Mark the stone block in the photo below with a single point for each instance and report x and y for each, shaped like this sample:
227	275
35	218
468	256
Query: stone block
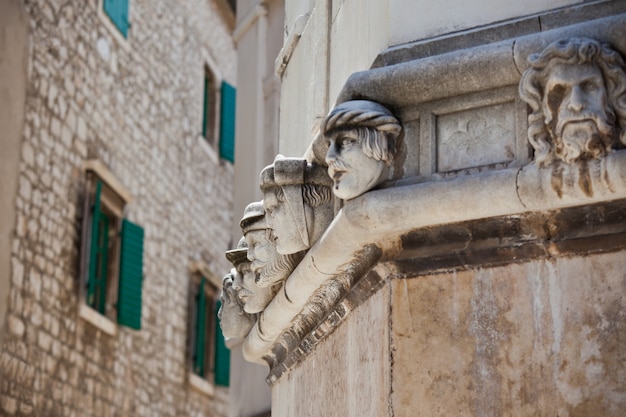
469	138
9	405
505	341
16	326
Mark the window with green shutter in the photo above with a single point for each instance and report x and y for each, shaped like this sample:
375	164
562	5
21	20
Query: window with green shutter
207	355
227	122
117	11
111	251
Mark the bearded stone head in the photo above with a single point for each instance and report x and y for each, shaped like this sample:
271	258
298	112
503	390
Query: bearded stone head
576	89
297	197
253	298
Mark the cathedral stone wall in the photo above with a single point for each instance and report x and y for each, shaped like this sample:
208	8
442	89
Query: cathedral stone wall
135	105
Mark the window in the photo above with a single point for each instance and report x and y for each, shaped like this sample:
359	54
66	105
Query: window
224	127
209	356
117	11
111	255
208	109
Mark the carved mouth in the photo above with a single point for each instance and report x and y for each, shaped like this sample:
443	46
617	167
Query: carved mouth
575	120
336	174
244	294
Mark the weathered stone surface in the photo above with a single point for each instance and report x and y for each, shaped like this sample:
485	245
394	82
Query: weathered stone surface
540	338
358	383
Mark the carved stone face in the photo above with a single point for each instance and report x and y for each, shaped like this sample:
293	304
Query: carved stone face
574	106
253	297
286	229
352	171
260	248
233	320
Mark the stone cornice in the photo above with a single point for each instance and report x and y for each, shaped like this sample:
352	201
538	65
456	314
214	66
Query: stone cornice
463	72
379	218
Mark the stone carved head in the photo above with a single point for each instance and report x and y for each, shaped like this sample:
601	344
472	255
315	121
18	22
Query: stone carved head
253	297
234	321
361	136
298	202
270	267
576	89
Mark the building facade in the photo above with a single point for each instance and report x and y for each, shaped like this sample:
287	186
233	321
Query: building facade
117	182
484	274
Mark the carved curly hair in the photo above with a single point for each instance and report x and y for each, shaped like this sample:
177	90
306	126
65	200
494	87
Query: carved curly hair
574	51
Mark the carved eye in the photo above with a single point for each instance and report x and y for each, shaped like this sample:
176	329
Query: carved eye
347	142
590	86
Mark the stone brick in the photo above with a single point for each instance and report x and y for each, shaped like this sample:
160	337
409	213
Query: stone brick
18	272
28	154
44	341
9	405
16	326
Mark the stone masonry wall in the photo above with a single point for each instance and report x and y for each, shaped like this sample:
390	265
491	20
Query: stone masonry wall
137	109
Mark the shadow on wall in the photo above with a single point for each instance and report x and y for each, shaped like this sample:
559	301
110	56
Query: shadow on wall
13	78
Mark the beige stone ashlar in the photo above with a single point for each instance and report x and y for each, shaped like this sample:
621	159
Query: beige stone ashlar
576	88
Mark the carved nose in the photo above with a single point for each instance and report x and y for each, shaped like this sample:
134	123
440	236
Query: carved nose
577	99
331	154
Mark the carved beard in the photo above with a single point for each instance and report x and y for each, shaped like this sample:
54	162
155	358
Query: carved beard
583	136
278	269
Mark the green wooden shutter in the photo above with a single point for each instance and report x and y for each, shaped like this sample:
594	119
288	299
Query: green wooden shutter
117	10
227	122
98	262
131	276
222	354
198	356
